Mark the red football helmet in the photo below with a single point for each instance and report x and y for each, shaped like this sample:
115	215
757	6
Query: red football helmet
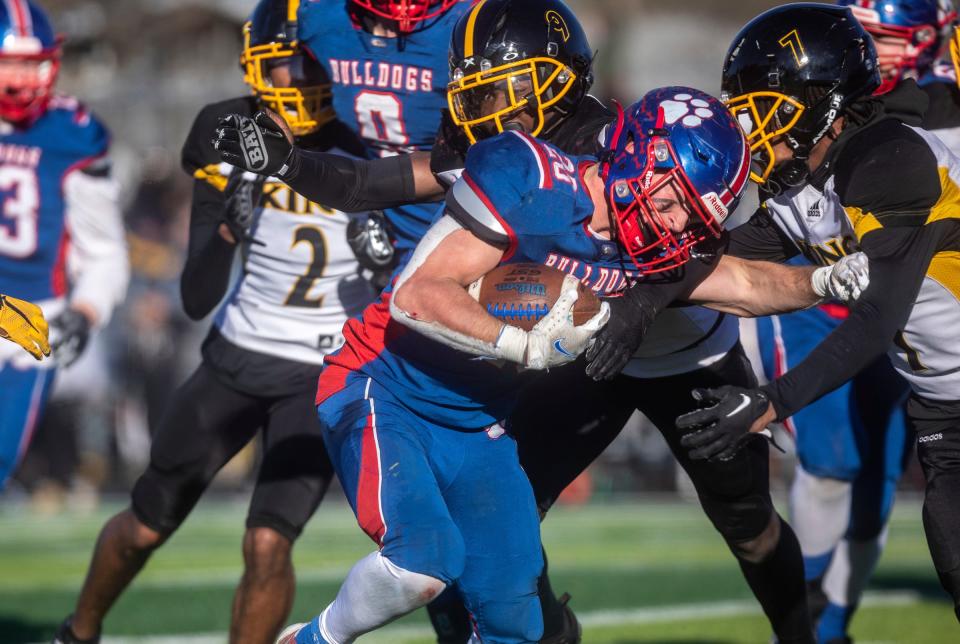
408	14
29	61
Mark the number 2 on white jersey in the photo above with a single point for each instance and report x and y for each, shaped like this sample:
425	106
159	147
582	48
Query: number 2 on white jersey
380	115
20	206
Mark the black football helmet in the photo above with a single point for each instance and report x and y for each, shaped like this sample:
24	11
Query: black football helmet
789	74
508	56
269	42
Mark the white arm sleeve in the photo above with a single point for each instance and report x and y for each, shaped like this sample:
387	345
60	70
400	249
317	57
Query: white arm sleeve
508	350
97	261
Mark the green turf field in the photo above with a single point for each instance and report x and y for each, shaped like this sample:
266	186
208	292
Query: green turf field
638	572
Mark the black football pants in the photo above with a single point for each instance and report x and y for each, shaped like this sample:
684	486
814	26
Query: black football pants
206	423
937	427
565	420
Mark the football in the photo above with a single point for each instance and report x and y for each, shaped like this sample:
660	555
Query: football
522	294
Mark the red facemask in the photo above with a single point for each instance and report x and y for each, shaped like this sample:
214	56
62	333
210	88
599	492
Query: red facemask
408	14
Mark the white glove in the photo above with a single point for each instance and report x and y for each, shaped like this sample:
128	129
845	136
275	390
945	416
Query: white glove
554	340
845	281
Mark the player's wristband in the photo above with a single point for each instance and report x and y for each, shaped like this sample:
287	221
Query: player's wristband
511	344
820	281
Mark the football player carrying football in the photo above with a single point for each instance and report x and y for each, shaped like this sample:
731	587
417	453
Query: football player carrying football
263	354
853	444
61	231
695	345
800	79
412	407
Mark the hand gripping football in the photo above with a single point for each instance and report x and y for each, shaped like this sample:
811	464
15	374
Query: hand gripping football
522	294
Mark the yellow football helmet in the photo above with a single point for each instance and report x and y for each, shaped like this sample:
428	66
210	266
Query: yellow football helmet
282	75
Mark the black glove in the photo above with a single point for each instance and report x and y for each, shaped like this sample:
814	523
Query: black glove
723	427
70	332
630	316
257	144
372	244
243	195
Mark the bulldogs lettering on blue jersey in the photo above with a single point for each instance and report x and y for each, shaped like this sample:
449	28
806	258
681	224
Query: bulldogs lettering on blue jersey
389	91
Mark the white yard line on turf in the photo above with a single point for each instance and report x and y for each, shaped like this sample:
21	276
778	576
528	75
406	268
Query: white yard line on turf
600	618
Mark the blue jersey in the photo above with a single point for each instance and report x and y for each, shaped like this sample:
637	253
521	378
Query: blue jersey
520	194
389	91
34	228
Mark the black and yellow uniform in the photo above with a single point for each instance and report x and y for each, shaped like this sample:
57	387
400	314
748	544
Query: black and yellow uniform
264	352
896	190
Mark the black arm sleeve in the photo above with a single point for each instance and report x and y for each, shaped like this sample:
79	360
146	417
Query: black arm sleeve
206	273
899	259
352	185
888	181
761	238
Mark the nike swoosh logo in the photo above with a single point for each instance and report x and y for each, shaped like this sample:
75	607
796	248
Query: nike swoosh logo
743	405
558	345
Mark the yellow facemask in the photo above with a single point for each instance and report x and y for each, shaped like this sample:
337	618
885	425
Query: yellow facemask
492	96
757	112
305	109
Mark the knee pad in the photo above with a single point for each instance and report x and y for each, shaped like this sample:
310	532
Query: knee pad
163	501
739	519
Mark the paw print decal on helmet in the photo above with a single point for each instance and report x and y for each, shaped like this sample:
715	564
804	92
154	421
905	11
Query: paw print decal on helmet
690	111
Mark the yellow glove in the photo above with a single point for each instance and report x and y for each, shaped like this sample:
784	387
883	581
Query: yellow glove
23	323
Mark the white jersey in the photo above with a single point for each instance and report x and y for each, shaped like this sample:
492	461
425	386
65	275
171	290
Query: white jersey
299	281
926	352
682	340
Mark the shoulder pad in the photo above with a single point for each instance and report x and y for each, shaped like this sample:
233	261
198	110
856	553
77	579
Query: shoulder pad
510	162
88	136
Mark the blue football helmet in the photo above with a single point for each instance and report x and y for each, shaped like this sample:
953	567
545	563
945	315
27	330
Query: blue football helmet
923	26
675	138
29	61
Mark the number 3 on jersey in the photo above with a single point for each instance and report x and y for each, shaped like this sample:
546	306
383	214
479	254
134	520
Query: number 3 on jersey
20	202
380	115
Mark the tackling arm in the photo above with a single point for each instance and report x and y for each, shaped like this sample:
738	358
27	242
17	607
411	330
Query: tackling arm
753	288
354	185
261	144
902	257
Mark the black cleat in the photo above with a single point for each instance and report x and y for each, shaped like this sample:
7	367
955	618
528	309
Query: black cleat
64	634
571	632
